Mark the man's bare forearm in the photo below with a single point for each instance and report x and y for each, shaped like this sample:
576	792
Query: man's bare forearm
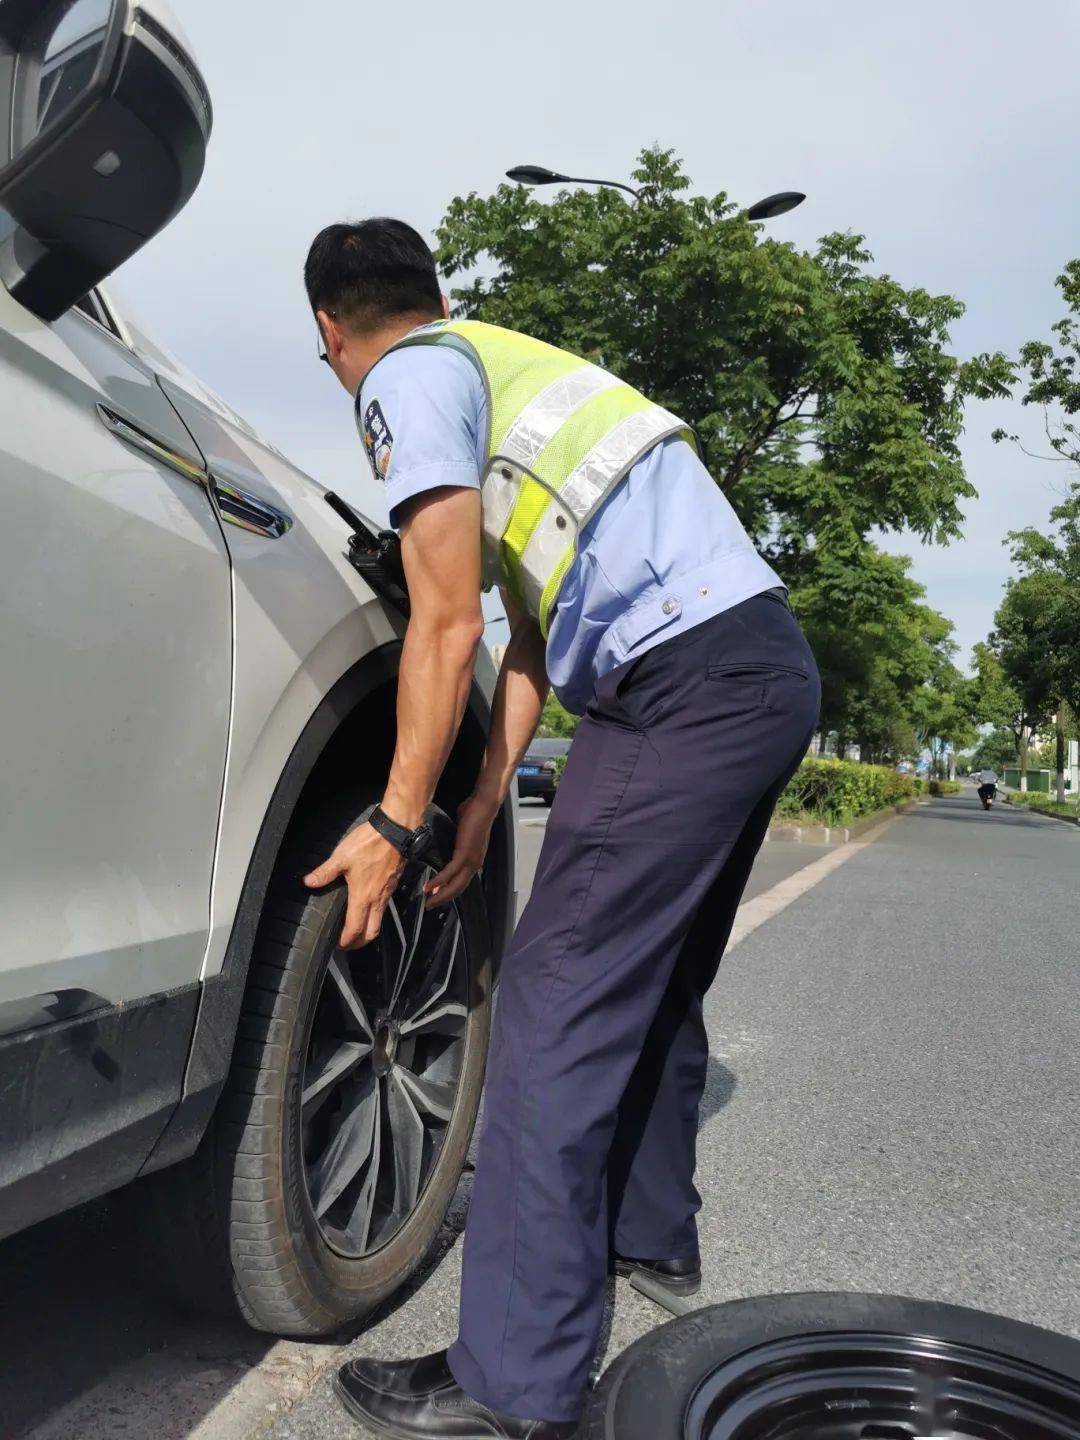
433	689
440	551
519	700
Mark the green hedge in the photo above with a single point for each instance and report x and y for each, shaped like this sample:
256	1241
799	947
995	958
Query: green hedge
944	787
832	791
1036	800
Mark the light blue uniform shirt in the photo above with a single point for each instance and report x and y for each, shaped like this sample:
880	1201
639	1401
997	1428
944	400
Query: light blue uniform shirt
663	553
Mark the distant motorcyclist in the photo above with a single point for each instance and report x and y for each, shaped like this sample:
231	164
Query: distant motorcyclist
987	782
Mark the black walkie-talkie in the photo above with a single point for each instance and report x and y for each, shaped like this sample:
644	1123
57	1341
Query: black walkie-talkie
377	557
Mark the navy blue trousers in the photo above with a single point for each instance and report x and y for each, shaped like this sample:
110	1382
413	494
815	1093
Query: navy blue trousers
599	1051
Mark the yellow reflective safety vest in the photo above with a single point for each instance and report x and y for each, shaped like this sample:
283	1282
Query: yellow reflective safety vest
562	434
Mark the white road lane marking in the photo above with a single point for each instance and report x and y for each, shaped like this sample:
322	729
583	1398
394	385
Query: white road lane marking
754	913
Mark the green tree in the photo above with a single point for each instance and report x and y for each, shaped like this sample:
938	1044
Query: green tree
876	643
825	398
993	700
1051	370
1042	609
1050	566
555	722
1050	755
1007	698
994	751
942	716
1021	644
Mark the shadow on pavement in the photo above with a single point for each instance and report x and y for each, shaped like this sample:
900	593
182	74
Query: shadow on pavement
77	1308
720	1085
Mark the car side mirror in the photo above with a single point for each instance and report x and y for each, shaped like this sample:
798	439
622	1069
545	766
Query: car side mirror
104	124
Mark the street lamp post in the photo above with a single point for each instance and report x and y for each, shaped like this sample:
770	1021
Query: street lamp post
767	209
537	175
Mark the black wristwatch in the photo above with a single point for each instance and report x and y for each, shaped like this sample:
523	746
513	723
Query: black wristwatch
410	844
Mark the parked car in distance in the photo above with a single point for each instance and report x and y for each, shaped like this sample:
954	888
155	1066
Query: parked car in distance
199	702
538	774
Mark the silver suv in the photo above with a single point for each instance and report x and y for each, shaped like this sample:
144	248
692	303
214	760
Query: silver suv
198	700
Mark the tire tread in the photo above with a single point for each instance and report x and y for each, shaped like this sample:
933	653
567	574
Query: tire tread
238	1248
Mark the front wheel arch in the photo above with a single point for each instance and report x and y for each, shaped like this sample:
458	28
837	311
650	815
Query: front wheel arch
325	742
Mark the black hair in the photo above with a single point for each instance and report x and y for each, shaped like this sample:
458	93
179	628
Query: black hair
370	272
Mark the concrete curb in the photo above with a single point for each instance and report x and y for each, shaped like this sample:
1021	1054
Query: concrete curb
837	834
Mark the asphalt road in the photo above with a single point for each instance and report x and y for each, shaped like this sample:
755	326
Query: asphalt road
775	862
893	1104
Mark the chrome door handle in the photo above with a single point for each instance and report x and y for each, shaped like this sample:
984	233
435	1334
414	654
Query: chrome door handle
157	449
249	512
233	505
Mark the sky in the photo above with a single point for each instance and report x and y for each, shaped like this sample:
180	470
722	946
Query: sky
944	132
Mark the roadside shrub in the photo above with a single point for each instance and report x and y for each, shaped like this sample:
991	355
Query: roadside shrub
560	766
1035	800
832	791
944	787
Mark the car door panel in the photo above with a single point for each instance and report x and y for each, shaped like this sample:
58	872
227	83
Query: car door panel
116	661
303	617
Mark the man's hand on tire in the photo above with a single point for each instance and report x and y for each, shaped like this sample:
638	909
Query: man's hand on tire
371	868
475	819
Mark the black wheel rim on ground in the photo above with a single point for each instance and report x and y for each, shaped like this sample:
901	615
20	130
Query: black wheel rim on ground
382	1070
842	1366
875	1387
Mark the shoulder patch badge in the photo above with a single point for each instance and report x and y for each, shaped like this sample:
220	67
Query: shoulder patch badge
378	441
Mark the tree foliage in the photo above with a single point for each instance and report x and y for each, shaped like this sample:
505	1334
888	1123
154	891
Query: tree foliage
1038	624
877	644
993	699
824	397
995	750
555	722
1008	690
942	716
1046	757
826	400
1051	369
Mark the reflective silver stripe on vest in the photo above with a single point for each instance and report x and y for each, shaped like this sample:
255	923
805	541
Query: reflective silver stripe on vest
587	486
500	488
533	430
545	414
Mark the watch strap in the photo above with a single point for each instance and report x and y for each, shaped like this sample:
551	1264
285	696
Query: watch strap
408	843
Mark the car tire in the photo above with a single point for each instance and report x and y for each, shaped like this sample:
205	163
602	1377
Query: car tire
694	1377
246	1208
548	800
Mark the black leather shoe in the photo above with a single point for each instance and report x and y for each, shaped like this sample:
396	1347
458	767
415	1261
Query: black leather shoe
421	1400
681	1277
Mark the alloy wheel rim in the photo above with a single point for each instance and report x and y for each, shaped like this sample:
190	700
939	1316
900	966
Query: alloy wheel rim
385	1056
881	1387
